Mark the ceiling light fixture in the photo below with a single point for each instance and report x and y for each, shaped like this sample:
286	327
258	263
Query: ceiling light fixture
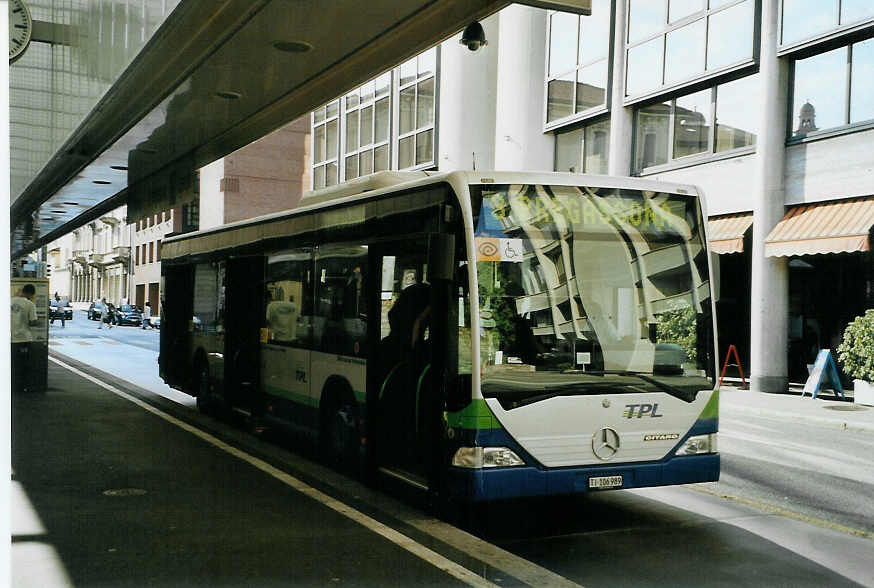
292	46
100	182
118	167
228	95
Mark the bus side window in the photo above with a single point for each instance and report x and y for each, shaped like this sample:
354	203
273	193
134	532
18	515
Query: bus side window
341	308
288	298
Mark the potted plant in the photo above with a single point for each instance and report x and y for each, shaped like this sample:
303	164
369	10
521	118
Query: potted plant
856	353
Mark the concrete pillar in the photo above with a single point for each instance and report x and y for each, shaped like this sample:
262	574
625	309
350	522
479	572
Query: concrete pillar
770	275
520	143
621	127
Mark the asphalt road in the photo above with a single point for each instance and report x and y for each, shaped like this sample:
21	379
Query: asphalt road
818	472
81	327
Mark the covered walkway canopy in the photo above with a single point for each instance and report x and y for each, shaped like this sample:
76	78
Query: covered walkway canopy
94	124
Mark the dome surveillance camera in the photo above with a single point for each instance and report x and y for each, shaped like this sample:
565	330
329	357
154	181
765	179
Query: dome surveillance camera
474	36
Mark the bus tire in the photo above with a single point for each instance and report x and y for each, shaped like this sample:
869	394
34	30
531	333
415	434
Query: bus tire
339	434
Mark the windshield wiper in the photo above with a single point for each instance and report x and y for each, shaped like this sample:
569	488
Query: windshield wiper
686	394
510	401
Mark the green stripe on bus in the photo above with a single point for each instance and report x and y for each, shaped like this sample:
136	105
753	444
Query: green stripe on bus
475	415
711	411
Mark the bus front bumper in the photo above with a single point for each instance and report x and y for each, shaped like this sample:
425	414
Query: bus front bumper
485	484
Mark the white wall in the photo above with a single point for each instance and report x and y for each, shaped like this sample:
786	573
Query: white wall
727	184
520	142
212	201
466	124
839	167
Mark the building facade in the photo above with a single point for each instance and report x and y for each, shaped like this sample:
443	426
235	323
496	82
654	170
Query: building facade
92	262
765	104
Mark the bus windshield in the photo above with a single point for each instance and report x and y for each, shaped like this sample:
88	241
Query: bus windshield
590	291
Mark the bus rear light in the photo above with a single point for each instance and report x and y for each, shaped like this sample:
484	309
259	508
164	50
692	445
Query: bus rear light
485	457
698	444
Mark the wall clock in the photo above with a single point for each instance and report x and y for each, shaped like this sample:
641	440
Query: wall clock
20	28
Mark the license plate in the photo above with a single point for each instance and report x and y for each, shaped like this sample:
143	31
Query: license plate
602	482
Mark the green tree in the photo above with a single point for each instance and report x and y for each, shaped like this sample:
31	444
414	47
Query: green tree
678	325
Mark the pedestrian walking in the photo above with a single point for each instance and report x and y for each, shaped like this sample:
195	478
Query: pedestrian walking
147	316
110	314
60	311
104	310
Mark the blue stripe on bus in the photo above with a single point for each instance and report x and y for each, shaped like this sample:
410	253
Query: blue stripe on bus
536	480
503	483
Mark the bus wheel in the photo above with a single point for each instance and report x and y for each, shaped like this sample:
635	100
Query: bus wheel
340	436
203	392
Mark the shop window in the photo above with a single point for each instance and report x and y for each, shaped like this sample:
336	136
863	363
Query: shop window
833	89
670	131
674	43
579	47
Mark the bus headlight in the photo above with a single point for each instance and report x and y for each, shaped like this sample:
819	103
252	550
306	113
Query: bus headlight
698	444
485	457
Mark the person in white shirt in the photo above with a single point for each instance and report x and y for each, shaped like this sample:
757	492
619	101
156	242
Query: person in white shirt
23	315
147	315
23	318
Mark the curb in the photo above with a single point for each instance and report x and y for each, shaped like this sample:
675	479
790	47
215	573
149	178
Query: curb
829	422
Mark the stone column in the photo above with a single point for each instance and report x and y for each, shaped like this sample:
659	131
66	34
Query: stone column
769	312
621	128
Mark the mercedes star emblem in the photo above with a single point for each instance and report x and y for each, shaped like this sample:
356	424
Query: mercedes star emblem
605	443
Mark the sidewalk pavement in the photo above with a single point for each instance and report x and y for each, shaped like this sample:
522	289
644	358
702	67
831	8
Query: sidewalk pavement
793	407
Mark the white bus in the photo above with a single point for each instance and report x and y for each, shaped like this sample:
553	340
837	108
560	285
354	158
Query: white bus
481	335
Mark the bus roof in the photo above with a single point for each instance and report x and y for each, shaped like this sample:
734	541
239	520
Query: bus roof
374	185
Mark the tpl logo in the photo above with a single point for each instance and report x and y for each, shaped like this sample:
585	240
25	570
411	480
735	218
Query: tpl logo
642	410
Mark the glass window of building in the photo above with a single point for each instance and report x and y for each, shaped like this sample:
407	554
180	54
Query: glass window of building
416	104
735	127
326	142
804	20
692	123
367	124
579	47
817	99
833	89
583	150
667	132
672	42
862	82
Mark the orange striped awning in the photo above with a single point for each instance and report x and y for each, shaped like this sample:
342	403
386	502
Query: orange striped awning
823	227
727	232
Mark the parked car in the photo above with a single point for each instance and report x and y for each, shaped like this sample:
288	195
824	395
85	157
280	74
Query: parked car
127	314
94	313
59	309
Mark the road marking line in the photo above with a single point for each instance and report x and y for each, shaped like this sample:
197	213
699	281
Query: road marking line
399	539
784	512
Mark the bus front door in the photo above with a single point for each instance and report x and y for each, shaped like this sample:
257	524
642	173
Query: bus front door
243	306
401	387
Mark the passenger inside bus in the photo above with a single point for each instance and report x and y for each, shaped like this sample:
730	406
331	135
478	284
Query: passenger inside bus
402	358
